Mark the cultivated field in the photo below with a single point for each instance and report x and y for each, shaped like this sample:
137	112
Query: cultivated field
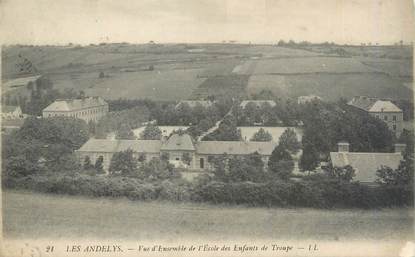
309	65
30	215
275	83
200	70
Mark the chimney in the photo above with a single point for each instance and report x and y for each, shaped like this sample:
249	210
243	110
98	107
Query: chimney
343	146
400	148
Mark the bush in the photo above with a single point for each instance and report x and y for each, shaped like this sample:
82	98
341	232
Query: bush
316	191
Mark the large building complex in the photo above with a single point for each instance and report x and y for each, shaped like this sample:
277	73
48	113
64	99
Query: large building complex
179	148
381	109
87	109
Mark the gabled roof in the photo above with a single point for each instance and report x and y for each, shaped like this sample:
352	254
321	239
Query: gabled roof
257	103
235	147
194	103
75	104
372	104
112	146
179	143
8	108
362	102
384	106
365	164
20	81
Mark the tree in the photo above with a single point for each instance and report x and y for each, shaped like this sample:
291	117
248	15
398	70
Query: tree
245	168
289	140
151	132
125	132
281	43
220	166
227	131
240	170
165	156
87	163
157	169
142	157
403	175
262	136
309	160
99	167
344	174
186	158
281	162
92	127
123	163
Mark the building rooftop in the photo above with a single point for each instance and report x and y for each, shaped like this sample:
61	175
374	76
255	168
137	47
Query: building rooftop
178	142
75	104
257	102
384	106
372	104
18	82
365	164
235	147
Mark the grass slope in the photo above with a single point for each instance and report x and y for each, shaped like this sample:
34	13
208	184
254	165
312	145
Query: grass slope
33	215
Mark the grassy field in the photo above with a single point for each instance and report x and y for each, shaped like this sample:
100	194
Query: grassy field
334	86
216	69
231	85
33	215
274	83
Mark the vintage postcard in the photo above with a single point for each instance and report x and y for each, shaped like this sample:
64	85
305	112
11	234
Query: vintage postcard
207	128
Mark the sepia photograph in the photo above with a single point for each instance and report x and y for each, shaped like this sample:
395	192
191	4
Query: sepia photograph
207	128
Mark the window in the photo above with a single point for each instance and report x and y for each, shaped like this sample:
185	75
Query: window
377	116
177	159
202	163
385	117
394	127
394	117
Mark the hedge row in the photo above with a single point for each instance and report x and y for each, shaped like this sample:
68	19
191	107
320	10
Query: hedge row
102	186
307	193
327	194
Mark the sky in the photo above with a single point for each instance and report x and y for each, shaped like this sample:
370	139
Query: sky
194	21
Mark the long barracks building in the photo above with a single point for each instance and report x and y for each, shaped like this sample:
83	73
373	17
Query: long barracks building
176	147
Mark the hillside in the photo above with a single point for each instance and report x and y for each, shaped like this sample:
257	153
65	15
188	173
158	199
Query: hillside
177	71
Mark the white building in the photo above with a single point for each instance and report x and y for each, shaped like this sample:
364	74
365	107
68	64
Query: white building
87	109
384	110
